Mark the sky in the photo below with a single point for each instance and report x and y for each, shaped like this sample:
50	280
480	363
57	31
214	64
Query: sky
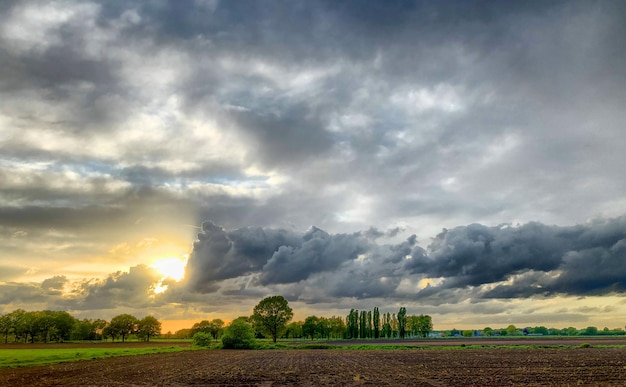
463	159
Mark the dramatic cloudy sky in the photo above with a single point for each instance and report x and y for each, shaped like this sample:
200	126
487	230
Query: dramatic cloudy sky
463	159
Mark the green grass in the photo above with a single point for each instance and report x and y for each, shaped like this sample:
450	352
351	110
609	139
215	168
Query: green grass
10	358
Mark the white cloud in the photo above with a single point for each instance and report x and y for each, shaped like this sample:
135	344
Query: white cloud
36	27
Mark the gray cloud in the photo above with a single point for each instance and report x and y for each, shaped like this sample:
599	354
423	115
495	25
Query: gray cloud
26	294
318	252
129	289
54	285
491	262
537	259
220	255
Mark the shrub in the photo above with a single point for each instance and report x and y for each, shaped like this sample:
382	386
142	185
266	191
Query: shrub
238	335
585	345
202	339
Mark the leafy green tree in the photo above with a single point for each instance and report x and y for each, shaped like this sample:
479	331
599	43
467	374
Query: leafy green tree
238	335
6	326
123	325
202	326
271	316
213	327
323	327
83	330
511	330
294	330
590	331
402	322
63	324
411	325
571	331
353	324
148	327
185	333
202	339
394	325
370	328
363	324
107	332
336	327
310	328
487	331
216	328
387	325
376	323
424	325
43	324
27	325
468	333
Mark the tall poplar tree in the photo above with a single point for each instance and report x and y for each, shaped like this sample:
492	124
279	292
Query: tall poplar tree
402	322
376	323
387	325
363	324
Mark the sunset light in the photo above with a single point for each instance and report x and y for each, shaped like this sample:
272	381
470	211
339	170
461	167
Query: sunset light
171	267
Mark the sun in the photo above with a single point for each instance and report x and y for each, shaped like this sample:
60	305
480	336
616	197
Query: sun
171	267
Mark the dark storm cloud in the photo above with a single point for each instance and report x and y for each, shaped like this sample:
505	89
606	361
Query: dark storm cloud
318	251
218	254
516	261
281	256
476	254
537	259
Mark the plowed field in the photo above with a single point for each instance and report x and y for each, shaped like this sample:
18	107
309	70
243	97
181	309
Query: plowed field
414	367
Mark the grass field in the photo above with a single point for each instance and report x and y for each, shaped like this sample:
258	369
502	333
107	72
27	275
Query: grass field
33	357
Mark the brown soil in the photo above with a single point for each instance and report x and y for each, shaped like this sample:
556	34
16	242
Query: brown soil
415	367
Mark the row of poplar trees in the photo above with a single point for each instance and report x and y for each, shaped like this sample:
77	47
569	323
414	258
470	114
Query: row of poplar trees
367	324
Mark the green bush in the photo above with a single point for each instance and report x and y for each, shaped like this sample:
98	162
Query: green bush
202	339
238	335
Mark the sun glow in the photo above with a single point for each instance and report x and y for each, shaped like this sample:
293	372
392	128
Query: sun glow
171	267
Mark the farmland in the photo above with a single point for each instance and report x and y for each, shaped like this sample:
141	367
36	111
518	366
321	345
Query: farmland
506	363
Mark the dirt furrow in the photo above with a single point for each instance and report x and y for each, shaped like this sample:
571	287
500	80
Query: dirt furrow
481	367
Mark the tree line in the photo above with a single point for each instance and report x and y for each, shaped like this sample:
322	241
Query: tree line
512	330
373	325
58	326
271	318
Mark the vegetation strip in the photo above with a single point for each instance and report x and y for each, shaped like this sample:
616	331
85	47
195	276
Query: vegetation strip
10	358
